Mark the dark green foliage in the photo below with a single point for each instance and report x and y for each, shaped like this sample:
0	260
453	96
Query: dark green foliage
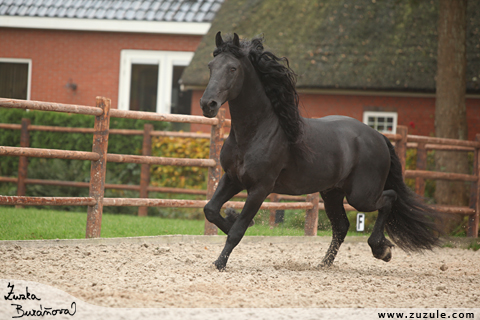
70	170
411	164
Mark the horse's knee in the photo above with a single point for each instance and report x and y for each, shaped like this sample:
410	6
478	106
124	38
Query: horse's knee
211	214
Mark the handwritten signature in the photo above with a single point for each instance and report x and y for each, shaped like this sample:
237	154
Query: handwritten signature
41	311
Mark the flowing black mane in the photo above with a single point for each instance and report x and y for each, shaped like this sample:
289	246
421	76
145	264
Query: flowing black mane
277	79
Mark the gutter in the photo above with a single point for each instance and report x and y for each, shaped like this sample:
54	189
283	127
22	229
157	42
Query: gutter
131	26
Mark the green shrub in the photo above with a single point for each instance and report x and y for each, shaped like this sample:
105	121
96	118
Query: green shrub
411	164
175	176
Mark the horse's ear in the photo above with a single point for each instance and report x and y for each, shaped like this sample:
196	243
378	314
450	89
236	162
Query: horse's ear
218	39
236	40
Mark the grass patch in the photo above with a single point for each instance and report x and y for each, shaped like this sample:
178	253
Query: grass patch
474	245
33	224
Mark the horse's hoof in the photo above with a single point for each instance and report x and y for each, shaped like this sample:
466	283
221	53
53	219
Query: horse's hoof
325	264
382	249
386	255
220	266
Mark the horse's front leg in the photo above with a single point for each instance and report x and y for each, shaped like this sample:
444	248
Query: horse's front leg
226	189
237	231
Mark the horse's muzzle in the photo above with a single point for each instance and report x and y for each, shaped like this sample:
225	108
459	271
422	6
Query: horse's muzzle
209	107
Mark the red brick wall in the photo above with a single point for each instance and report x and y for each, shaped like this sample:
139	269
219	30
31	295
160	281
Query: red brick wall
90	59
415	112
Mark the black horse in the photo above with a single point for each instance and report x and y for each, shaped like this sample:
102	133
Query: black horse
271	148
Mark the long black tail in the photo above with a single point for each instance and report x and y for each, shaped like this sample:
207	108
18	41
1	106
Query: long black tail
411	222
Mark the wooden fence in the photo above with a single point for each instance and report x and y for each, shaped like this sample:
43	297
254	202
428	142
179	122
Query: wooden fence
100	157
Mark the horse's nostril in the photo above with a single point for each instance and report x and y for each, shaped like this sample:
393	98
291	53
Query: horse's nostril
212	104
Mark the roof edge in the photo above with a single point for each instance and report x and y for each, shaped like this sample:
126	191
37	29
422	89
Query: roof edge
75	24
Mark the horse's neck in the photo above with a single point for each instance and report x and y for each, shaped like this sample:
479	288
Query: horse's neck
251	110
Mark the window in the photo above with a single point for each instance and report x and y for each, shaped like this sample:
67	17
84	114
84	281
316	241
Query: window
385	122
15	75
149	81
181	100
144	87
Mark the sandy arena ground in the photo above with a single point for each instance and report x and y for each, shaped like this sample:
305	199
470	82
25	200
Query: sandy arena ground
262	272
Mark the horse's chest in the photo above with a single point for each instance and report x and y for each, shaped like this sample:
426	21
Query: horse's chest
235	167
238	166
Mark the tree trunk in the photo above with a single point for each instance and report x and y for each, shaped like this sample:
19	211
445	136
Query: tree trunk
450	110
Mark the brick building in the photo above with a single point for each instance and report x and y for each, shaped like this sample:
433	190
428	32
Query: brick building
130	51
371	60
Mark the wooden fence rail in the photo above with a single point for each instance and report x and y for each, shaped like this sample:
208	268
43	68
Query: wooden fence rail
99	158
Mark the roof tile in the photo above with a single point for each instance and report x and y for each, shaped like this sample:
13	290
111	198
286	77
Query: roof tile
61	12
90	13
51	11
3	9
23	9
159	15
145	5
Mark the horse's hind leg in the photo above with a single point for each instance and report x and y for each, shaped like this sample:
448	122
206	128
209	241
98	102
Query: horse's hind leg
333	200
381	247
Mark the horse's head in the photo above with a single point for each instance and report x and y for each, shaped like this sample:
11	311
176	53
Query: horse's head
226	77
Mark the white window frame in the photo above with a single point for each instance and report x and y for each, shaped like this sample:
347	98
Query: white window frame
165	60
377	114
24	61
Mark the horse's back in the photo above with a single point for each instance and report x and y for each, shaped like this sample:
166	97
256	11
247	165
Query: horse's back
346	133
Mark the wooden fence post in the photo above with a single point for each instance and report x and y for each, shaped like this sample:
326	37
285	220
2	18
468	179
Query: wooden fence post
22	160
98	169
421	165
401	146
215	173
271	220
145	171
311	217
473	220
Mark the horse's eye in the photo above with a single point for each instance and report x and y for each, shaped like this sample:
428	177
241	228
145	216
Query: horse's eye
233	69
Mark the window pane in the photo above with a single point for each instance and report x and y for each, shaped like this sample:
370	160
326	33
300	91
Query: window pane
143	87
381	121
181	100
13	80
